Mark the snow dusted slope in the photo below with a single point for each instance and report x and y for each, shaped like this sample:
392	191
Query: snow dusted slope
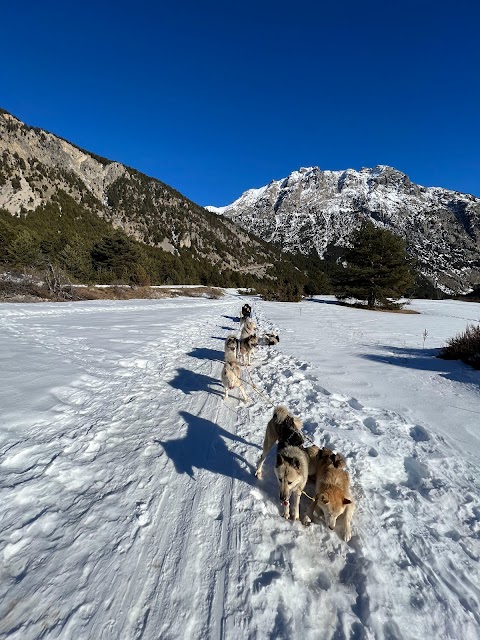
130	509
311	209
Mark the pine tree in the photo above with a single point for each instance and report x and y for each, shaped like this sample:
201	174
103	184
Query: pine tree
377	267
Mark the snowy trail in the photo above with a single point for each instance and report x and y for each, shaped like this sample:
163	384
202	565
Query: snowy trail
130	508
97	483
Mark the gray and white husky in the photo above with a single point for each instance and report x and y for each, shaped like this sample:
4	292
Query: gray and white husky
231	346
294	464
246	347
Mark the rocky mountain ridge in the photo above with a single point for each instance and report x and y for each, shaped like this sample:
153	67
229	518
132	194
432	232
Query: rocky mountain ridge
313	209
36	165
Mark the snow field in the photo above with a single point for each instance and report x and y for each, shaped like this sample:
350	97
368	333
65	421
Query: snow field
131	510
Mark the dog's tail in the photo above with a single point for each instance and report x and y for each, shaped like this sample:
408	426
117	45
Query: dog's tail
281	413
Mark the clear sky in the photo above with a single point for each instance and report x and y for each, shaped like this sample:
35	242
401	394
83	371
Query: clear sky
217	97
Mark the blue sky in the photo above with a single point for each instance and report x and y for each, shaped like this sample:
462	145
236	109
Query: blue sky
214	98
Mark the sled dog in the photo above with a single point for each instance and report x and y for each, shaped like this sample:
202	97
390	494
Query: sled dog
232	378
246	347
245	313
248	328
291	469
271	339
231	349
294	464
332	492
282	428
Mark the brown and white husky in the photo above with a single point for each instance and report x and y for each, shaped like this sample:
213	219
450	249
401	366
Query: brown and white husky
332	492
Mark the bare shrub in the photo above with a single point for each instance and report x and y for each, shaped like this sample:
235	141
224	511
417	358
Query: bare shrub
464	346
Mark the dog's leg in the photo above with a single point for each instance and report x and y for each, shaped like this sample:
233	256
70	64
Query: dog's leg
268	442
245	398
296	504
307	519
347	527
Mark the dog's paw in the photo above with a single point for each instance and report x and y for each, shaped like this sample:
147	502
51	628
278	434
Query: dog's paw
286	515
258	474
347	534
306	521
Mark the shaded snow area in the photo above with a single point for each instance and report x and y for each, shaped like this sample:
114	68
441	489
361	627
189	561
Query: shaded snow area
129	506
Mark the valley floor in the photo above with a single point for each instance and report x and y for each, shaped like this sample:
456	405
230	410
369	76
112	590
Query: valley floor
129	505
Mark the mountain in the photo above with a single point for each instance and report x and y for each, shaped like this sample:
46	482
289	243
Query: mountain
313	209
44	179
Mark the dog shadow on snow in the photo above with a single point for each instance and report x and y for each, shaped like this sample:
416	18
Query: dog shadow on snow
204	447
206	354
191	382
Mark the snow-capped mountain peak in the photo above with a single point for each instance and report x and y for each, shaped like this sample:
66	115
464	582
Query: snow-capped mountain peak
313	209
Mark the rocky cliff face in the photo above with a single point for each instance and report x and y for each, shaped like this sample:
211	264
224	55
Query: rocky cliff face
313	209
35	165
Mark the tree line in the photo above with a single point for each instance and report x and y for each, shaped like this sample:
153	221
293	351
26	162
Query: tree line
375	268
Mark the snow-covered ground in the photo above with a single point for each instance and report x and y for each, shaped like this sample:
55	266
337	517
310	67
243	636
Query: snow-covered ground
129	508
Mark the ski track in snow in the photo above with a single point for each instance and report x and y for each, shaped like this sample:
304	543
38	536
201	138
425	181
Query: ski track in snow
130	508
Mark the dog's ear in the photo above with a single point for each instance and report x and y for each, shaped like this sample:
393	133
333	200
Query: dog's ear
296	463
324	498
347	501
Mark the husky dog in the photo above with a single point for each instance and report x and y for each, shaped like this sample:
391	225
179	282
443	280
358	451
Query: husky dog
246	347
291	470
282	428
271	339
248	328
332	492
245	313
231	349
294	463
231	378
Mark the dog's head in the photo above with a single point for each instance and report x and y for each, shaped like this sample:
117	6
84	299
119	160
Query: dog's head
231	343
333	503
288	432
288	472
329	458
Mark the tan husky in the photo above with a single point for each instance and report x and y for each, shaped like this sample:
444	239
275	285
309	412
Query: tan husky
248	329
232	378
332	492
